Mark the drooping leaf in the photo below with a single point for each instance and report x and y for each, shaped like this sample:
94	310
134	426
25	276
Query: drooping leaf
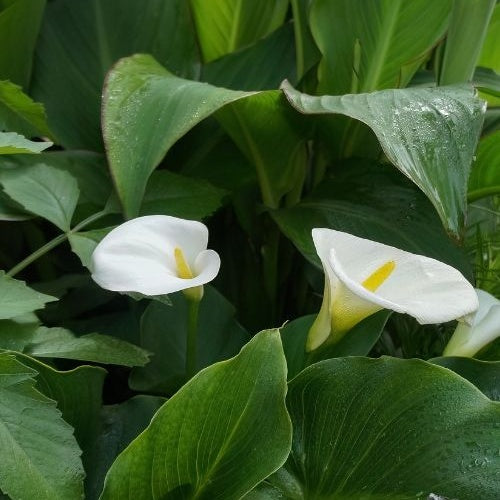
44	191
389	428
61	343
19	25
19	113
217	439
485	175
225	26
467	30
374	203
374	45
16	298
12	143
430	134
43	458
164	331
120	425
101	33
145	110
173	194
485	375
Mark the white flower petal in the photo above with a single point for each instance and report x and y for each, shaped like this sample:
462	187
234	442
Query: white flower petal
139	256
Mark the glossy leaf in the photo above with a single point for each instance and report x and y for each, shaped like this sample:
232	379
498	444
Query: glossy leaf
16	298
224	26
374	203
164	331
19	113
420	130
101	32
485	375
232	435
44	191
173	194
389	428
485	176
12	143
142	96
19	25
374	45
37	438
61	343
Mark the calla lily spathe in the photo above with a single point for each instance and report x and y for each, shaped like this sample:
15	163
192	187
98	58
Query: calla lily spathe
468	340
363	277
155	255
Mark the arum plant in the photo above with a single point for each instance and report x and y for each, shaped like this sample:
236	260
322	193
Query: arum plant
158	255
363	277
467	340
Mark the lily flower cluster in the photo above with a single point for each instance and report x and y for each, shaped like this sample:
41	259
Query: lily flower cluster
156	255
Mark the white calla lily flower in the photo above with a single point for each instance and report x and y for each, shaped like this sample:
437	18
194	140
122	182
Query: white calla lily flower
155	255
468	340
363	277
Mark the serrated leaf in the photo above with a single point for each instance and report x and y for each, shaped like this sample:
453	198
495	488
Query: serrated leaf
43	190
43	460
430	134
16	298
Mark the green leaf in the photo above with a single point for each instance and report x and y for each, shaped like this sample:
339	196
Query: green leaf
359	341
225	26
389	428
261	66
12	143
173	194
374	45
216	438
101	33
84	243
468	27
15	335
19	26
430	134
43	458
372	202
44	191
164	331
120	425
485	375
490	52
16	298
61	343
146	110
10	211
485	176
19	113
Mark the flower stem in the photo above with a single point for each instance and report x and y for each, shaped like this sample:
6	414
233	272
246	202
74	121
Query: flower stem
191	340
53	243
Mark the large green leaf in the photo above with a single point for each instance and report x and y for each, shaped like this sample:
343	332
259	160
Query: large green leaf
374	45
485	176
145	110
19	113
164	331
430	134
467	30
490	52
389	428
373	203
41	458
221	434
101	32
12	143
16	298
485	375
224	26
61	343
19	26
84	243
44	191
